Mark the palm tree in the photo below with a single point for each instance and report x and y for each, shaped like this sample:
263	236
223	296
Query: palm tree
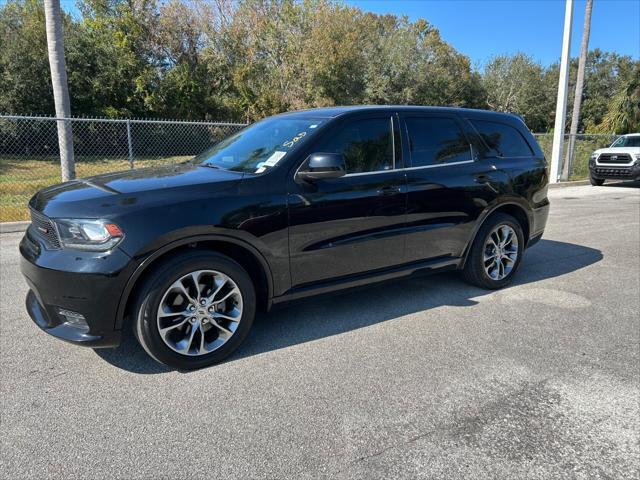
58	68
623	114
577	100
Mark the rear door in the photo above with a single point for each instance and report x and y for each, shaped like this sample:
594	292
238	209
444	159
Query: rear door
353	224
448	184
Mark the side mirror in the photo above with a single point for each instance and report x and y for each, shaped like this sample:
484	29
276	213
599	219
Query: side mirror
320	166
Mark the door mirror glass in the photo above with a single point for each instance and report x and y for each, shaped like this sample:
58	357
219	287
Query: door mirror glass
322	166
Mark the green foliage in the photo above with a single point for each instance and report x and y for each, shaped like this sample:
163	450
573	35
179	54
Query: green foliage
25	84
518	84
245	59
623	114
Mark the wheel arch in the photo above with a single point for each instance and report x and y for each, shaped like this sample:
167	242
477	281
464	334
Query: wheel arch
243	253
516	210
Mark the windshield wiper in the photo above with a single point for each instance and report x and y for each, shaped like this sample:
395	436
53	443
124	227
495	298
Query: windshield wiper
209	165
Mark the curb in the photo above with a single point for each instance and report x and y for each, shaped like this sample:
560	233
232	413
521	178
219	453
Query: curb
12	227
575	183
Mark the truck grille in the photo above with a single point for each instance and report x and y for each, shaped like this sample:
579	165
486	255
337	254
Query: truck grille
614	158
45	229
618	172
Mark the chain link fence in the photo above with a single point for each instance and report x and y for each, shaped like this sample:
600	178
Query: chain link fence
29	155
577	167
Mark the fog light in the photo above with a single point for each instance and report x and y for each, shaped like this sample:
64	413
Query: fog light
73	319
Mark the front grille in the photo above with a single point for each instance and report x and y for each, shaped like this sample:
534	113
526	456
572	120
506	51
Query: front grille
619	172
45	229
614	158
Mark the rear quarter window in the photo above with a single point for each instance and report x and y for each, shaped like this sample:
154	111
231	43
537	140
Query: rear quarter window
502	138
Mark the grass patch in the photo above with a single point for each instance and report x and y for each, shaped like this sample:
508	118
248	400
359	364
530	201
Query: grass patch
584	147
21	178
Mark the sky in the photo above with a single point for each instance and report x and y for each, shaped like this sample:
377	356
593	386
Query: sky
483	28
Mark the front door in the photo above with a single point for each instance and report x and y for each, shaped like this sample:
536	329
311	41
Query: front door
352	224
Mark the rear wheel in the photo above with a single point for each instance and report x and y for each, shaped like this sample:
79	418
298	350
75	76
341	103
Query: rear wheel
596	181
496	252
195	310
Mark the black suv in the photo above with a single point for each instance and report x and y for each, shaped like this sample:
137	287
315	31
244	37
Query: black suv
294	205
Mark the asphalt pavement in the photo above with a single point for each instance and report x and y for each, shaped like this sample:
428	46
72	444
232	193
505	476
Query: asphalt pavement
421	378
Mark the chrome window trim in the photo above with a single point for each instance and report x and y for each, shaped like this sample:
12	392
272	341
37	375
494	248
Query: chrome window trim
462	162
376	172
410	168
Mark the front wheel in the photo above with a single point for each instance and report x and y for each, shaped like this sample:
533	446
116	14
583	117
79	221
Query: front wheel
195	310
596	181
496	252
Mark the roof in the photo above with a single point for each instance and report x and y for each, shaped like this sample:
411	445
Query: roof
332	112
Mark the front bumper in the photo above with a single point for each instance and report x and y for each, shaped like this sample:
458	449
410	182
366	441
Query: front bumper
87	283
602	172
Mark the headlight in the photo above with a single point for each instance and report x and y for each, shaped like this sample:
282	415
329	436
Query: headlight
94	235
638	158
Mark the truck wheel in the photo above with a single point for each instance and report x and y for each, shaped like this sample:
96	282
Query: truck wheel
596	182
496	252
195	310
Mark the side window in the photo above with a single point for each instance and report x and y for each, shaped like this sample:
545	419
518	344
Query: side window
436	141
367	145
504	139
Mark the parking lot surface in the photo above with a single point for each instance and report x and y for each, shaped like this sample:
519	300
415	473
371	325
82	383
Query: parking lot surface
421	378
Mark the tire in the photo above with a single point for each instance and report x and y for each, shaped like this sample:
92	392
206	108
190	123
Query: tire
596	182
474	270
162	286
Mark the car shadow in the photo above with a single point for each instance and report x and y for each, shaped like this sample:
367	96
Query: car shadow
622	183
309	320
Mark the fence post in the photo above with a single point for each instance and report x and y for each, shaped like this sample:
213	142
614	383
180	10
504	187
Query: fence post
129	144
568	158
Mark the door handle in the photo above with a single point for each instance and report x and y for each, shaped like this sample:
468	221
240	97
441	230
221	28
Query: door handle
390	190
483	178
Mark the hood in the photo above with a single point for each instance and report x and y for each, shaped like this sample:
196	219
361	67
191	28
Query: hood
629	150
102	194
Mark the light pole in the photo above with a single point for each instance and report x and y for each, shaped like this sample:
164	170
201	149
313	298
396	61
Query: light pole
561	105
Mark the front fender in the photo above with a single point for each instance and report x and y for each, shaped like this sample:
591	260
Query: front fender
177	239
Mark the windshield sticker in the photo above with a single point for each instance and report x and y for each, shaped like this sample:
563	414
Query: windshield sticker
261	169
274	159
313	126
292	142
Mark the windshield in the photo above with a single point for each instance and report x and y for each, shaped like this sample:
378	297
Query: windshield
260	146
630	141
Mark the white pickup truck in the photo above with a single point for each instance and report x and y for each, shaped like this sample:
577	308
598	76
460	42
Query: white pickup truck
621	161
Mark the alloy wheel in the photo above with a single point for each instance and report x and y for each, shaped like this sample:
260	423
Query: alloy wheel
199	312
500	252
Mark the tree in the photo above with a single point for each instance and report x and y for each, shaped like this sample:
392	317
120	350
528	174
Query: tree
575	115
60	89
245	59
520	85
409	63
24	68
605	74
623	115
